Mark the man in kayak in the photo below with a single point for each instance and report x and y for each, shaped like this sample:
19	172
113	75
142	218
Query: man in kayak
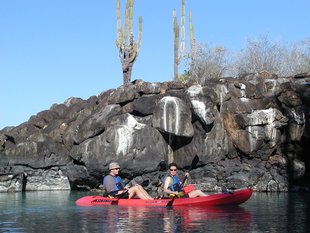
114	186
172	184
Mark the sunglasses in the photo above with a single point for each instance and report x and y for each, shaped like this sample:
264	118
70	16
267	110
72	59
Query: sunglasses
173	170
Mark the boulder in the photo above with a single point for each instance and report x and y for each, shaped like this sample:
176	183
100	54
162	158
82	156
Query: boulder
172	115
247	131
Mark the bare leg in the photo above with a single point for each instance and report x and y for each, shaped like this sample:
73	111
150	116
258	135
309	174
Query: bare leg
138	191
142	190
197	193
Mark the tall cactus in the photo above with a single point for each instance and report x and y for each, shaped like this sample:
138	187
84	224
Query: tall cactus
192	40
178	51
128	48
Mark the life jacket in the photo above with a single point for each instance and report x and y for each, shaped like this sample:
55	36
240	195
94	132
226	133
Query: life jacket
118	185
174	183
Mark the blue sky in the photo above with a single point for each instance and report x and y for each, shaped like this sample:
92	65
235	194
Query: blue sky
51	50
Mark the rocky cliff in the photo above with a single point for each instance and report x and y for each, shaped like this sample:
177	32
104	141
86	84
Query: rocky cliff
247	131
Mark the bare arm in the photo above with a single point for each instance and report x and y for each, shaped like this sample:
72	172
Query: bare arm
186	175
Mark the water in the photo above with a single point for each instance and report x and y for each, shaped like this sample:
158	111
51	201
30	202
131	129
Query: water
56	212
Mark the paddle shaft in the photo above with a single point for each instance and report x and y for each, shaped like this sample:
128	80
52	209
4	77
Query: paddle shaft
194	163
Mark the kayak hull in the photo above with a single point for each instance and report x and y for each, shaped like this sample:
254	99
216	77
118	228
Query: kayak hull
219	199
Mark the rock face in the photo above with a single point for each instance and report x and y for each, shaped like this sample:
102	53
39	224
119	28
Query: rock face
247	131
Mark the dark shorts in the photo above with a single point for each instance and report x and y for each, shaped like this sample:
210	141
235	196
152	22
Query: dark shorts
123	195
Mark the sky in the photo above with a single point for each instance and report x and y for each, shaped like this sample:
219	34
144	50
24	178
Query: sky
51	50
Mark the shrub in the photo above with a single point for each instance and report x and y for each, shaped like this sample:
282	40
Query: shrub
260	55
298	58
205	63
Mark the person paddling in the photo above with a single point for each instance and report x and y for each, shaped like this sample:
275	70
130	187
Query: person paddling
172	184
115	187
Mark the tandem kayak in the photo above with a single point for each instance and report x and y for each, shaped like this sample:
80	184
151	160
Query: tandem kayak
219	199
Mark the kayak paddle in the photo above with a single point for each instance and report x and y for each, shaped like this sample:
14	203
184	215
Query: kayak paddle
194	163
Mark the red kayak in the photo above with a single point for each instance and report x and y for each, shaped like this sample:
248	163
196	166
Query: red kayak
229	198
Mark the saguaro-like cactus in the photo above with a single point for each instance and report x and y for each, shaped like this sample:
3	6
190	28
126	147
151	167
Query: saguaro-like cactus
128	48
191	32
192	39
178	50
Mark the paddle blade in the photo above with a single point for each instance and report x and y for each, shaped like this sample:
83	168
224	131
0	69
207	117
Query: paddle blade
194	162
188	188
162	166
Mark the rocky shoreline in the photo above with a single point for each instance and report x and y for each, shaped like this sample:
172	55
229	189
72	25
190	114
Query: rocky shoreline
248	131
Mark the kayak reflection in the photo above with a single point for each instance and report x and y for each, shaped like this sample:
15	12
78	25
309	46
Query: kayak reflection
191	218
177	219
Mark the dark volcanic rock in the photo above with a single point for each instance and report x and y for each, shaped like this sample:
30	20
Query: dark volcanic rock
248	131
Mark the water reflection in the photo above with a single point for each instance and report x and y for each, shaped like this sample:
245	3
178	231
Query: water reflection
298	209
27	212
193	218
139	219
57	212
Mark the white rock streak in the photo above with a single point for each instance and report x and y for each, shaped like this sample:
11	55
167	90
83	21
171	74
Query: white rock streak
200	110
273	89
222	92
194	90
124	135
124	138
300	119
171	123
268	119
198	106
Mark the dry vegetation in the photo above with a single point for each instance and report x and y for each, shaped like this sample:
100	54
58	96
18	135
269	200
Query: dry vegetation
262	54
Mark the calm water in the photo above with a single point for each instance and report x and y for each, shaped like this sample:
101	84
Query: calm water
56	212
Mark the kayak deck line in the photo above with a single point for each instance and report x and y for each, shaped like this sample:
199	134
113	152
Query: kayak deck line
218	199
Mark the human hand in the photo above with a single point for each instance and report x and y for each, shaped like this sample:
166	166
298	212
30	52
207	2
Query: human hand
179	194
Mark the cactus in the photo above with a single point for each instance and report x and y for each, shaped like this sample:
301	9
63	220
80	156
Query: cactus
191	32
192	40
178	52
128	48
